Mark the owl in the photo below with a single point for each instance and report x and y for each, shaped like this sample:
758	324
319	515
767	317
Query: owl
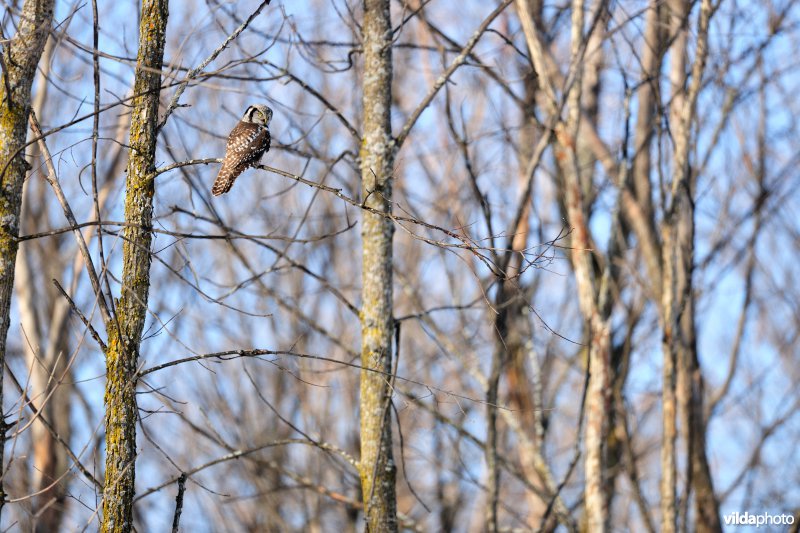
246	144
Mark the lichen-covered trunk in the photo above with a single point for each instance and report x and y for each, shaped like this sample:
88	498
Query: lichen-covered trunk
377	323
125	331
20	57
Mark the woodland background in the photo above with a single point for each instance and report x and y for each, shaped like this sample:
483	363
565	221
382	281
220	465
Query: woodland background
595	320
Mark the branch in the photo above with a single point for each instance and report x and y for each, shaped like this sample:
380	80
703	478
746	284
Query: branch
78	312
179	502
234	234
52	430
192	74
52	179
457	62
235	354
465	244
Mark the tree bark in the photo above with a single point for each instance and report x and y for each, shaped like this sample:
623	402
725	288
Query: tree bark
595	313
377	466
683	383
125	331
690	377
670	296
646	119
20	58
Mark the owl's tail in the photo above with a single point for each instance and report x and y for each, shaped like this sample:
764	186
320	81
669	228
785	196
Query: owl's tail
227	175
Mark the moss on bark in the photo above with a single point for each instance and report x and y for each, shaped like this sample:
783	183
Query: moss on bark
125	332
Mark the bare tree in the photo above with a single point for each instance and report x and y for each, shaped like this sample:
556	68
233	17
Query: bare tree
125	328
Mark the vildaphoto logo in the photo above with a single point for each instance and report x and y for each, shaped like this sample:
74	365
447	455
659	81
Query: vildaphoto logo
761	519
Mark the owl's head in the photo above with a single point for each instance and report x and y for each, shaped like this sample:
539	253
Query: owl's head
258	114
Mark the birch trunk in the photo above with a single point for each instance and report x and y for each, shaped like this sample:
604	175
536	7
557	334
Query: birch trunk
677	10
124	333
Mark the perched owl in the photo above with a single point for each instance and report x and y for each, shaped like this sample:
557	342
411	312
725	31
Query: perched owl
246	144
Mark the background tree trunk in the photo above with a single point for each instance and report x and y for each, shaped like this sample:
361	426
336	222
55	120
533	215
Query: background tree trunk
125	329
44	318
20	57
683	383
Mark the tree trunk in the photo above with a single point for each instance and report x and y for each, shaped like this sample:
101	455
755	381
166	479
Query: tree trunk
596	317
595	312
644	225
124	333
48	358
707	517
682	376
377	323
44	317
20	58
670	297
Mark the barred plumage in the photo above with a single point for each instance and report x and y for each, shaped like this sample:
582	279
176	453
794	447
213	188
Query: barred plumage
246	145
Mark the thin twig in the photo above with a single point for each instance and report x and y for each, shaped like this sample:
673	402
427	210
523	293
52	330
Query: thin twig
576	447
51	429
457	62
92	331
192	74
179	502
95	133
52	179
234	354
